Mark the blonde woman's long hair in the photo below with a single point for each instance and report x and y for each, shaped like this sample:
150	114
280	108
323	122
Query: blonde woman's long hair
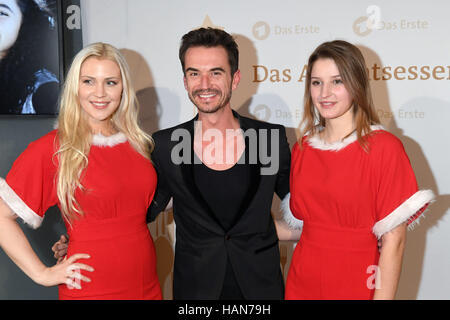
353	71
74	133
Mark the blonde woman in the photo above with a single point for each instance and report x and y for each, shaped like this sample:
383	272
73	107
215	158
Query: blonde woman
351	183
95	166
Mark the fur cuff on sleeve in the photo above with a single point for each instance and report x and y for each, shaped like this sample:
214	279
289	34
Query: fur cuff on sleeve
409	211
288	217
19	207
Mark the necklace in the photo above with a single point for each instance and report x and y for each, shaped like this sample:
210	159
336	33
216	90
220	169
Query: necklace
340	140
348	135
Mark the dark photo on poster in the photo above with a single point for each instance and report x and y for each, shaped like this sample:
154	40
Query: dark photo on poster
29	57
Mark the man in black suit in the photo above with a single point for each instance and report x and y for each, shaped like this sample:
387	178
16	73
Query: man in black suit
221	169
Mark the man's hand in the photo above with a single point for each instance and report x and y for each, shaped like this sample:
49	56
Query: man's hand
60	248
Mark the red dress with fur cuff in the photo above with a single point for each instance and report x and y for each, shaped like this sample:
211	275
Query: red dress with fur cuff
347	198
119	184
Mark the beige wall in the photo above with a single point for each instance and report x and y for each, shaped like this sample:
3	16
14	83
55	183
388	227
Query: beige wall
408	59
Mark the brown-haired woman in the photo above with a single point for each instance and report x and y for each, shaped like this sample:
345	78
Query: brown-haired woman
351	183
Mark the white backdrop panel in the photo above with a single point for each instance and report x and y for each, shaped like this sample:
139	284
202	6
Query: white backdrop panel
407	58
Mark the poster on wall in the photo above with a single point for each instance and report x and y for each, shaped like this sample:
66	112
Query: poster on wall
32	55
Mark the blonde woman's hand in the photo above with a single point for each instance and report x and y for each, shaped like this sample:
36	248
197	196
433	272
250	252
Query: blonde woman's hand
66	272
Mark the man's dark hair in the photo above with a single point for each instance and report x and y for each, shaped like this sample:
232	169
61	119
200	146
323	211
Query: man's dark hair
211	37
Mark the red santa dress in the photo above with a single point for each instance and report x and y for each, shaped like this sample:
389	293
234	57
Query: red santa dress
119	184
347	198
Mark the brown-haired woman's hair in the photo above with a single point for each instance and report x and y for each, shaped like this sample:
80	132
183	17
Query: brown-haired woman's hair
352	69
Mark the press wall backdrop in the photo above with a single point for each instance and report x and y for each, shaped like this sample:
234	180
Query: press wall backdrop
407	49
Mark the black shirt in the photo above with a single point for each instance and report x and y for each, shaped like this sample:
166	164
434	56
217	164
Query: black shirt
225	192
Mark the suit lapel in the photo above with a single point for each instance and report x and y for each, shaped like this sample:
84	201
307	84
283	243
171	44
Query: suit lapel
255	176
187	172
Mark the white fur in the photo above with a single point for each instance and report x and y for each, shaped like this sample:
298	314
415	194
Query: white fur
288	217
404	212
318	143
102	141
19	207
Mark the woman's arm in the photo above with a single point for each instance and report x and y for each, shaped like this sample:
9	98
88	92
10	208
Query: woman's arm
390	263
285	233
15	244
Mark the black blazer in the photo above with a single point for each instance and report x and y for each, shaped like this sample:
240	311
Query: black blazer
202	246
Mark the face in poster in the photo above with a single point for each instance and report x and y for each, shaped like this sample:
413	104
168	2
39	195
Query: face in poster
29	57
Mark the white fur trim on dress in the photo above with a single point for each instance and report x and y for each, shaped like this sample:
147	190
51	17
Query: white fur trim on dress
317	143
405	212
19	207
288	216
102	141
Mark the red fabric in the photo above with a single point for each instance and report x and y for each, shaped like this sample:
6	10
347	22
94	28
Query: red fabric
119	186
340	195
32	174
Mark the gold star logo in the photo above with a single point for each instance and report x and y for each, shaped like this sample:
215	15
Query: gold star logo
207	23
